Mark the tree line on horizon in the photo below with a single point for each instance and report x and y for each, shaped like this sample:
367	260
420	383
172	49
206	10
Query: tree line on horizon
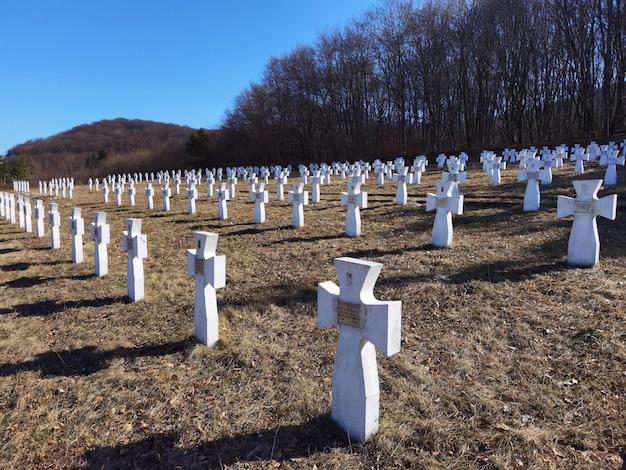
408	78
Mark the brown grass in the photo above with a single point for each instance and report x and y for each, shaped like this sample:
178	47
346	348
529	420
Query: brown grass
510	359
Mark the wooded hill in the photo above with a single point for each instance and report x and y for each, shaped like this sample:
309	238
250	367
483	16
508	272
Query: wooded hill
118	145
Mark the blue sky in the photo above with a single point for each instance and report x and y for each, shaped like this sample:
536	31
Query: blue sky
69	62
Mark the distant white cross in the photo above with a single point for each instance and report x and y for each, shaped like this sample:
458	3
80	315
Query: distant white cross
299	198
222	194
446	203
533	173
54	219
260	199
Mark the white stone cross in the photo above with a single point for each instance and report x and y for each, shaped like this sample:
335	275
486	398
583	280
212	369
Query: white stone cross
132	191
496	166
149	196
610	159
118	189
454	174
299	198
28	215
105	192
210	273
20	210
579	156
583	248
54	219
365	324
354	199
260	199
210	181
441	160
232	183
402	178
316	181
11	208
192	194
77	230
281	181
101	236
166	194
222	194
533	173
446	202
136	245
39	217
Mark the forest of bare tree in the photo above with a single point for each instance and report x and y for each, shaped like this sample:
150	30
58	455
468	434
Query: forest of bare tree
417	77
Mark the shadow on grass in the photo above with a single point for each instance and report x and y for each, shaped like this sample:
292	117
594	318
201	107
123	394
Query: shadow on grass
267	447
87	360
374	253
50	307
16	267
503	271
6	251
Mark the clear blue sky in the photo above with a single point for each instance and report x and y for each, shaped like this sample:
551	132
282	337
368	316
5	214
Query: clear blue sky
69	62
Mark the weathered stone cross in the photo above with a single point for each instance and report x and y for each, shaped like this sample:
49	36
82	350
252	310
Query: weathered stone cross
583	248
101	236
77	229
299	198
210	273
136	245
54	219
354	199
364	324
446	202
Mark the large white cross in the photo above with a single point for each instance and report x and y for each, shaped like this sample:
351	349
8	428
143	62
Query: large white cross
365	324
101	236
210	273
77	229
260	199
299	198
354	199
533	173
446	202
583	248
54	219
222	194
136	245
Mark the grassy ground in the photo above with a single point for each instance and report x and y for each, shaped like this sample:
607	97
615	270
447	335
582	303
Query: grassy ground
510	359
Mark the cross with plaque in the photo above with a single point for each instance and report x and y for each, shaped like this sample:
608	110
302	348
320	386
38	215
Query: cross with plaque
101	236
583	248
299	198
54	219
210	273
354	200
166	194
496	166
446	203
533	173
260	199
149	191
136	245
365	324
192	194
402	177
454	173
222	195
132	191
77	230
118	189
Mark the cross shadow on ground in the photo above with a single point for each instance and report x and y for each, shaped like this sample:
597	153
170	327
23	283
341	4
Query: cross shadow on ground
268	447
50	307
87	360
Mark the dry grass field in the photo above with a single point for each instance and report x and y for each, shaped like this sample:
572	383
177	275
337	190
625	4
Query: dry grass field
510	359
